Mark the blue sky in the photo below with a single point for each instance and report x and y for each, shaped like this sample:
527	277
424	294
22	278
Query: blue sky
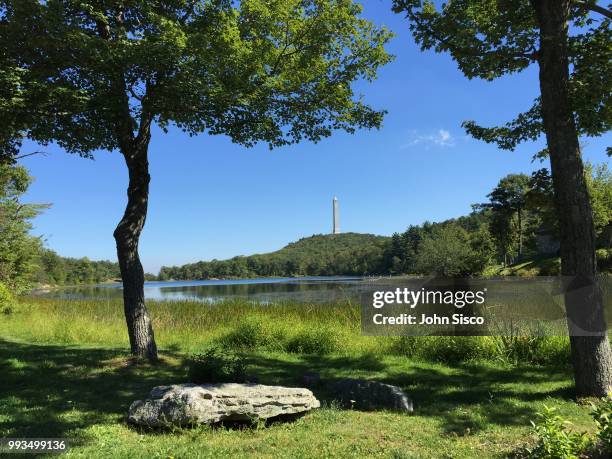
212	199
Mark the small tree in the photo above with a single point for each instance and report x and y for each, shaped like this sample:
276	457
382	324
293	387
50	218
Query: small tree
599	182
450	251
540	199
508	199
18	249
489	39
105	71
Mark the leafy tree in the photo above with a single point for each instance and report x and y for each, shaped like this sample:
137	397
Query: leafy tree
412	240
9	88
599	182
541	200
503	234
257	71
396	254
18	250
507	200
489	39
451	251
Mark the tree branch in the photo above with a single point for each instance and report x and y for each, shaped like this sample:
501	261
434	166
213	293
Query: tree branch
25	155
592	6
532	55
119	88
146	115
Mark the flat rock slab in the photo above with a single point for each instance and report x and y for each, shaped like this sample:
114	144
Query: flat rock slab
370	395
188	404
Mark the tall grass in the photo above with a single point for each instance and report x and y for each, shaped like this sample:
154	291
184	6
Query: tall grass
190	327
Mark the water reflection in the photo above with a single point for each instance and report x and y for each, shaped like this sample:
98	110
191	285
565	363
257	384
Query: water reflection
306	289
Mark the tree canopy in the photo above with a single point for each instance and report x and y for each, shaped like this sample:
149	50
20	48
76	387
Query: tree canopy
254	70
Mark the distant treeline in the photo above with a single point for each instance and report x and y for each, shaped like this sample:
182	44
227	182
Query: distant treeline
57	270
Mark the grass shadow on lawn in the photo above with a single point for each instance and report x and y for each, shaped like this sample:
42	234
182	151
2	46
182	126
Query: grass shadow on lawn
471	397
465	398
54	391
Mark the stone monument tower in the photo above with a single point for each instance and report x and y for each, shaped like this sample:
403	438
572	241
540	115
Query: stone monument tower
336	223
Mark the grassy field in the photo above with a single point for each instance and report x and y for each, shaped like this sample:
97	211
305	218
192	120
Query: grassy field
65	373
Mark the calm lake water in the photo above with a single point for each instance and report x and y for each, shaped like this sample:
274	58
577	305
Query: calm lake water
306	289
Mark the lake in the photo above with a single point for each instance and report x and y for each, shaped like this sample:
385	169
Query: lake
266	290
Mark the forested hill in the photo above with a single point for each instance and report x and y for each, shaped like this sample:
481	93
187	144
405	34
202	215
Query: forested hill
318	255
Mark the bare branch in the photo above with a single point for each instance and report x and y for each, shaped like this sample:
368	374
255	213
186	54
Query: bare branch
25	155
134	94
592	6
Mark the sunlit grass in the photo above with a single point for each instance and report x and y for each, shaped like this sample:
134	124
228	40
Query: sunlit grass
190	326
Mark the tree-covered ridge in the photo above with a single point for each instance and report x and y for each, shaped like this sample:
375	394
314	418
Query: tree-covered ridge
318	255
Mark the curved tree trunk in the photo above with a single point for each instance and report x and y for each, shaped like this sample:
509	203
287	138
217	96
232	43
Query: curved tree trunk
127	235
583	298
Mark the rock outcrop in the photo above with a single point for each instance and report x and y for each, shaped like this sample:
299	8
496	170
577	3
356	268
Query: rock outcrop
370	395
188	404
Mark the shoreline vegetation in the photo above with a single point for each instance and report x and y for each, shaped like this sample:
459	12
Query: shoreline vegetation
539	266
240	324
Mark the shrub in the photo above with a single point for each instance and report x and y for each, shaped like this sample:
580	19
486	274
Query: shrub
318	340
254	333
7	302
536	349
452	349
550	267
405	345
553	350
554	440
215	365
604	260
602	414
444	349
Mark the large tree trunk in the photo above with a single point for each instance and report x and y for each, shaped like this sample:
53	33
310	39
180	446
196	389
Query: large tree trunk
127	235
583	298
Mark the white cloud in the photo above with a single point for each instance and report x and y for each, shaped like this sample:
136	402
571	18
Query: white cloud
441	138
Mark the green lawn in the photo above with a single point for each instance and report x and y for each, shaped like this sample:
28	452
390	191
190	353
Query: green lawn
82	390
